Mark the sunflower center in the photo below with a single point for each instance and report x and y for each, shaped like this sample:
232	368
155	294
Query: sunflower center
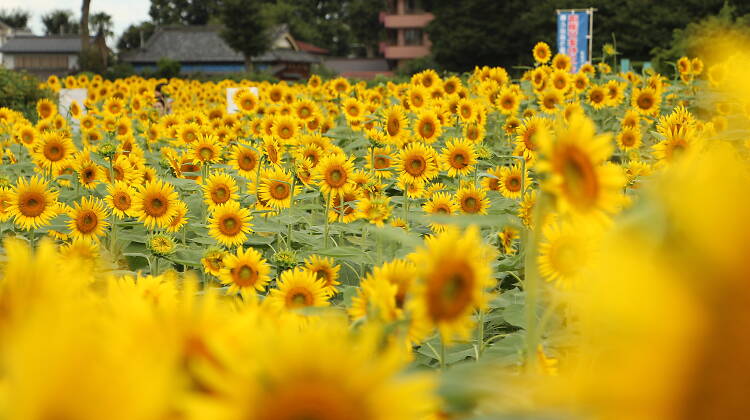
597	96
336	177
514	183
220	194
88	176
230	225
156	206
416	166
449	292
580	182
245	276
206	153
247	163
628	140
353	111
122	202
32	204
299	297
470	205
280	191
87	221
427	129
645	102
53	152
394	126
459	161
381	163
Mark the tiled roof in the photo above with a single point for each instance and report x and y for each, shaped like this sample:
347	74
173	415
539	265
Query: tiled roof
313	49
185	44
202	44
43	44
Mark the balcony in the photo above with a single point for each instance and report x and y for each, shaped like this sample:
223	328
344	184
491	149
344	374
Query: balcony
406	21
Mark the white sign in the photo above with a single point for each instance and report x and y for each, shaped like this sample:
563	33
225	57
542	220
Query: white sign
231	106
67	96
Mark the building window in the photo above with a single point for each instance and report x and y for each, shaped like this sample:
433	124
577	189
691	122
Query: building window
392	37
413	36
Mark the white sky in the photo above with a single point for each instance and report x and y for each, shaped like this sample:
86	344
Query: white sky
123	12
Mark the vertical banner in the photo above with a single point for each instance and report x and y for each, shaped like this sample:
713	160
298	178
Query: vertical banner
574	36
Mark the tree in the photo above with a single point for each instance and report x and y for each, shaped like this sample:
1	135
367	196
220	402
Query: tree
134	35
362	17
59	22
245	28
183	12
15	18
85	41
102	23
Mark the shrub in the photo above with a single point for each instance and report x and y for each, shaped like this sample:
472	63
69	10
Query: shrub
20	91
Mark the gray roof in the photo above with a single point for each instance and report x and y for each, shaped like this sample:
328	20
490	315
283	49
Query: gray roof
200	44
43	44
185	44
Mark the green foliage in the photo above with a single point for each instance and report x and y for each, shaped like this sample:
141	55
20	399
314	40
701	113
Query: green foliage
165	69
119	71
487	32
131	37
324	72
15	18
705	38
20	91
91	60
183	12
59	22
246	30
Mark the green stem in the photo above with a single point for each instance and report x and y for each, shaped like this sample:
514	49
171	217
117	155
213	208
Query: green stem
325	215
480	334
532	284
442	352
291	205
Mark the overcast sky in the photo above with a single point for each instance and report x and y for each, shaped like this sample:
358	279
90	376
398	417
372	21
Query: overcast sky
124	12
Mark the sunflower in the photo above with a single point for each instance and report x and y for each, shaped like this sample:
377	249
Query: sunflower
120	199
273	150
527	136
512	182
299	288
427	126
46	109
205	149
88	219
507	236
492	181
305	110
245	272
508	101
563	253
285	129
683	65
219	188
353	109
32	203
26	134
376	209
125	171
276	188
114	106
155	204
229	224
213	261
526	209
472	200
417	97
453	275
550	100
646	101
161	245
179	219
417	163
344	205
696	66
629	139
244	159
458	157
383	161
677	142
542	52
394	125
580	81
597	96
5	201
631	119
325	270
559	80
334	173
89	173
52	150
188	133
467	110
574	163
441	204
561	62
246	101
511	125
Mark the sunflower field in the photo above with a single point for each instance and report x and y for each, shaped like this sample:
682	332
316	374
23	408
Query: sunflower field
559	246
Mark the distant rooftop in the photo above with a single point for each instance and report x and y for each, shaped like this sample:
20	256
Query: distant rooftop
70	44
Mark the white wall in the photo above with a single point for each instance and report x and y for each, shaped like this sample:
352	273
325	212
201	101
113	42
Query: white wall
8	62
72	62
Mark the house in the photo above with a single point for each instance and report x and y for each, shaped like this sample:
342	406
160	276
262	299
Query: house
200	49
42	55
404	21
7	32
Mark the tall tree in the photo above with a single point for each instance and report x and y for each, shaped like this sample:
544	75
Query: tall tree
85	41
59	22
132	37
15	18
183	12
320	22
245	28
362	18
101	22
